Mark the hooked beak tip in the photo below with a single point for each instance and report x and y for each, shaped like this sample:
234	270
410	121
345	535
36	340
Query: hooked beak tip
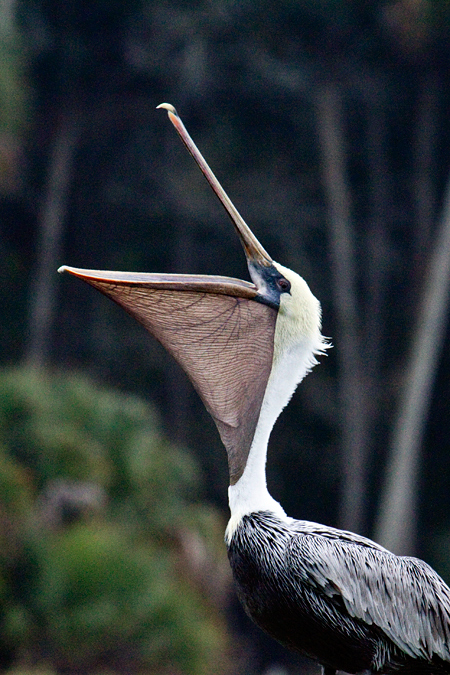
171	110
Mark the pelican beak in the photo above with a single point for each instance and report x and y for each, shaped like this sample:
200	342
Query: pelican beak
220	330
257	256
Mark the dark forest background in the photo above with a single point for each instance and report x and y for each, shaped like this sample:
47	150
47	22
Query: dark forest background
327	122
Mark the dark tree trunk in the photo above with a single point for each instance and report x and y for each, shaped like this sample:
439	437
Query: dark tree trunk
352	387
51	223
377	248
396	526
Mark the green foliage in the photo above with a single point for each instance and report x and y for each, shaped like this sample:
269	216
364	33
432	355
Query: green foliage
94	504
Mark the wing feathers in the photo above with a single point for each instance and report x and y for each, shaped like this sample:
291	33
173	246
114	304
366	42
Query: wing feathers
403	596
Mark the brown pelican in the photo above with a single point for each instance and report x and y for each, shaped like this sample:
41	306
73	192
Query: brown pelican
331	595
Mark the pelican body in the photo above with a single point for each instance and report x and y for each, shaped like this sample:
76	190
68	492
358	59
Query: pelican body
335	597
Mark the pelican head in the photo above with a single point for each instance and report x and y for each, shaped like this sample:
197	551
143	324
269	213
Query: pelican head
245	346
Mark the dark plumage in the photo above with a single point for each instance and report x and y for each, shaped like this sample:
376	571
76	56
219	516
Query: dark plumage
341	599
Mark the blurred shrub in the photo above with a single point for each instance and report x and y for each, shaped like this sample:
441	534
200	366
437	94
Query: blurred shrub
106	561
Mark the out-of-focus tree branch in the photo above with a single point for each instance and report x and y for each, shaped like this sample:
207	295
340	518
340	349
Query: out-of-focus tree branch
396	525
50	232
352	392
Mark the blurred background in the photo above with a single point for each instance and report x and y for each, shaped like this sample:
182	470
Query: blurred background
327	121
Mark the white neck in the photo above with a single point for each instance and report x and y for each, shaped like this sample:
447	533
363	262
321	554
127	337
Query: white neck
250	493
297	341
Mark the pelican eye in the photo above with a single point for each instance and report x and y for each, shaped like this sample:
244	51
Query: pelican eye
284	285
